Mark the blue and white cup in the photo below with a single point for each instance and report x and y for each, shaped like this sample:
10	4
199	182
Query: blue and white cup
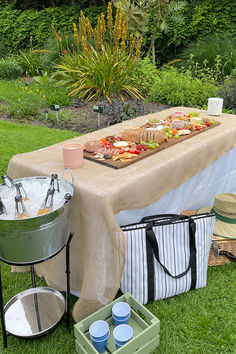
99	333
121	313
122	334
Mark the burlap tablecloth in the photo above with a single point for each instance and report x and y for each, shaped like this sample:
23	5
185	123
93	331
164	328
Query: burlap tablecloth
98	247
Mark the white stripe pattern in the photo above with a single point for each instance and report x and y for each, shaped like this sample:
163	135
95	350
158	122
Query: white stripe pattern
174	253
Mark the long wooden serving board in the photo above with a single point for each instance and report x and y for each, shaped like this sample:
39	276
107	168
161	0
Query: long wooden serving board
119	164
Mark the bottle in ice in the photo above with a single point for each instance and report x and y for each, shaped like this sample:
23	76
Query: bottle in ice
54	182
3	209
47	205
64	200
8	181
21	191
20	207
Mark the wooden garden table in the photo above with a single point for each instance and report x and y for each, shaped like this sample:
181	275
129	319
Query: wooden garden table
98	247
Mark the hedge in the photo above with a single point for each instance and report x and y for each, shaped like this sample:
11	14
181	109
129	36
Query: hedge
200	17
17	26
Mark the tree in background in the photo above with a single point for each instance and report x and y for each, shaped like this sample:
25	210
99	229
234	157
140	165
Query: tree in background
161	11
137	15
151	14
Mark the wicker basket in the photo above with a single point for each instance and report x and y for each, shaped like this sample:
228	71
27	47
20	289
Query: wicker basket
224	244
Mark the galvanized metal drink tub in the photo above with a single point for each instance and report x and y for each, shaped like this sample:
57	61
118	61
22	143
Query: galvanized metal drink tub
34	239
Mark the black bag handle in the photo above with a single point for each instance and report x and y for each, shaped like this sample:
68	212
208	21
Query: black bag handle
153	248
160	216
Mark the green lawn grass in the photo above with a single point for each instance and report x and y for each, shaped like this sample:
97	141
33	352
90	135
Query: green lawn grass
19	138
201	321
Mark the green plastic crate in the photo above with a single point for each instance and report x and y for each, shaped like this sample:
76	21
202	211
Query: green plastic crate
145	325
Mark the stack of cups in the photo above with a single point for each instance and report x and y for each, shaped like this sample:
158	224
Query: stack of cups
121	313
122	334
99	333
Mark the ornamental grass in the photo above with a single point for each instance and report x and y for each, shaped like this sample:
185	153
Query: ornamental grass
102	62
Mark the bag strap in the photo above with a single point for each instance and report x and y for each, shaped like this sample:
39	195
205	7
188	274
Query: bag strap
160	216
153	248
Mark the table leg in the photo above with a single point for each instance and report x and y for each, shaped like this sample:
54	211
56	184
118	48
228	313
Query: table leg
68	281
4	333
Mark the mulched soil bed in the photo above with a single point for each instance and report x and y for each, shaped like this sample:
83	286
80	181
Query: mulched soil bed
84	119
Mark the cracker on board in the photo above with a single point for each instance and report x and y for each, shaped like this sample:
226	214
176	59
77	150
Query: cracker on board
125	156
124	160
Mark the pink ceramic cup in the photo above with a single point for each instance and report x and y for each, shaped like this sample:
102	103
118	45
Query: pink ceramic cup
73	155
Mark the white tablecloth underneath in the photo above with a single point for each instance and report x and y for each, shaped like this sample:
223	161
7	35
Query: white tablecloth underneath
198	191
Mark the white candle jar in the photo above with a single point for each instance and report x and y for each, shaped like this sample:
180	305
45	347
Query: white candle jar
215	106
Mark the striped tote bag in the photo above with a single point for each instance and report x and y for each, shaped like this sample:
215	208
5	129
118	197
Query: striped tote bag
166	255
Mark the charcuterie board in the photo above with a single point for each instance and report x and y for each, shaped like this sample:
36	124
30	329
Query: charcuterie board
117	164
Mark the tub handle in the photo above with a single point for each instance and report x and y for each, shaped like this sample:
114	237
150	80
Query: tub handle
72	176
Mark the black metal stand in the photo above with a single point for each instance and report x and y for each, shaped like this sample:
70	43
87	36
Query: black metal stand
67	245
68	281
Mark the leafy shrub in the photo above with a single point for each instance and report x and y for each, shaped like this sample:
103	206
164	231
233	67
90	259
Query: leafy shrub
23	102
203	71
25	109
62	116
228	91
56	95
10	69
26	101
179	88
102	68
145	73
50	93
30	62
54	48
42	80
3	108
207	50
3	50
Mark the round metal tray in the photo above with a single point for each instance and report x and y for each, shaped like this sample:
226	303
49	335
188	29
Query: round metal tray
34	312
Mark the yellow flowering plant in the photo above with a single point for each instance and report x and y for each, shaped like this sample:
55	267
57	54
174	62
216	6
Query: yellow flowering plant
104	61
